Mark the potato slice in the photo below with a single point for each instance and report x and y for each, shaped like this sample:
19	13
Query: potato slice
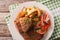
25	26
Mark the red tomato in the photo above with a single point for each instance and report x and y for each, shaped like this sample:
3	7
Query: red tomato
41	20
46	26
46	17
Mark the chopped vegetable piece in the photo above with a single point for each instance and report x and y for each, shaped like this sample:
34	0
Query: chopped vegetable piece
41	20
25	23
36	19
41	32
46	17
21	14
46	26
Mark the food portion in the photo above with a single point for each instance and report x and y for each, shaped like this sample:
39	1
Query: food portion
32	23
25	23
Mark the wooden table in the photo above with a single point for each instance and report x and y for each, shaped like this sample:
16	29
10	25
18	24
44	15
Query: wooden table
4	31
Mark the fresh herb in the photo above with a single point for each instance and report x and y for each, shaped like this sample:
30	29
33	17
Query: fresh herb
27	21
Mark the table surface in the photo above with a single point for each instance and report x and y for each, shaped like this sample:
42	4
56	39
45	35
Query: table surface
4	4
4	31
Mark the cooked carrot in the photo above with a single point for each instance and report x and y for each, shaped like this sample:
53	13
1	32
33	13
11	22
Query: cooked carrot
22	14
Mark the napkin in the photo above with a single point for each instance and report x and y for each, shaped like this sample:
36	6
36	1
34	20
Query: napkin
54	7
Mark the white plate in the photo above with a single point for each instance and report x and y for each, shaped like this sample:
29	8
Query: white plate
14	31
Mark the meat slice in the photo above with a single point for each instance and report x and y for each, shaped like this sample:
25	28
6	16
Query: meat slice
25	23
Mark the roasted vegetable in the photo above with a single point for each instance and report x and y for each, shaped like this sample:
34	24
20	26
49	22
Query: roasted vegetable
25	23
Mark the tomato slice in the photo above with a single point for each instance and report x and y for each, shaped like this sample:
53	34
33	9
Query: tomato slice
44	29
41	20
46	17
44	26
